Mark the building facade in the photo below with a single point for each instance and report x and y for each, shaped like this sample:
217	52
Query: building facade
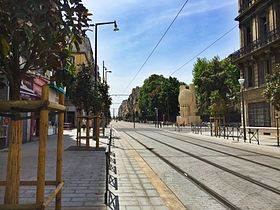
259	24
79	57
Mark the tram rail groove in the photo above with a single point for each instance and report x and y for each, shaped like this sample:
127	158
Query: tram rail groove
265	186
189	177
245	150
226	153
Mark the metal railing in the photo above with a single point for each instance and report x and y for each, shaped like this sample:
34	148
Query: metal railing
246	4
108	165
257	44
253	135
234	132
226	131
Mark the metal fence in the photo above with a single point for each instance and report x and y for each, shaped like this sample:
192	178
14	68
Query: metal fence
108	165
225	131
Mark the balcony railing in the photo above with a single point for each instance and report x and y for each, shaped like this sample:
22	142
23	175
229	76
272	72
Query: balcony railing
246	5
272	36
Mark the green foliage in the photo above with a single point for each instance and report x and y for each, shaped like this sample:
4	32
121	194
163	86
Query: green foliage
272	90
35	35
218	104
106	100
216	75
162	93
66	77
88	97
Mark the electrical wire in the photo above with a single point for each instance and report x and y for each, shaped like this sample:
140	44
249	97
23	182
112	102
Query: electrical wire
206	48
152	52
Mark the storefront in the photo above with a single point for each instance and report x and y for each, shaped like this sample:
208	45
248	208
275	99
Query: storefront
26	93
53	118
37	85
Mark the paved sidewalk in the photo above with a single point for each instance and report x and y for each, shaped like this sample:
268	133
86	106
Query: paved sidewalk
83	173
133	184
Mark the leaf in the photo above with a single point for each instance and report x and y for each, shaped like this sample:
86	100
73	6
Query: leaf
5	47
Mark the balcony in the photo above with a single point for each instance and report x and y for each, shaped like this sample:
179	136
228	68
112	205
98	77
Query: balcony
250	7
271	37
246	4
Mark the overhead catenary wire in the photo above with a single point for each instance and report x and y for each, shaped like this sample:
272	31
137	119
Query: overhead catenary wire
152	52
206	48
202	51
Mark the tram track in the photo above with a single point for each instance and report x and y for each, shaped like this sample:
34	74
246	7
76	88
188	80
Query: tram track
237	174
189	177
222	152
240	149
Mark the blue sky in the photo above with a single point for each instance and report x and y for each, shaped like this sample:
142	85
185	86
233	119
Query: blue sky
141	25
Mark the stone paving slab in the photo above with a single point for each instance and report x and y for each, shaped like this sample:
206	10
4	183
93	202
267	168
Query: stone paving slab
83	173
136	190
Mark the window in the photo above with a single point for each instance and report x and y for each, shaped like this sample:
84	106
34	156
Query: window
248	35
250	77
259	114
264	69
246	3
263	26
278	16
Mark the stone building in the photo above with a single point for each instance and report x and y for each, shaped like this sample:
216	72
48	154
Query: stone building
130	105
83	56
259	24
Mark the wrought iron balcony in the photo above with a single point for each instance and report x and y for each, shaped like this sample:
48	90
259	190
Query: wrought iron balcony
247	4
271	37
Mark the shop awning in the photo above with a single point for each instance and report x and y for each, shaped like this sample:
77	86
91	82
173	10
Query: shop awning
56	88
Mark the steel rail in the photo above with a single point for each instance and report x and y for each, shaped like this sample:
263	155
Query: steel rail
245	150
191	178
225	153
265	186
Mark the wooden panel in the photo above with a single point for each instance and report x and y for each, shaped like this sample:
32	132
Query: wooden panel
59	153
56	107
20	207
14	164
87	133
44	123
30	183
53	194
22	105
97	129
27	106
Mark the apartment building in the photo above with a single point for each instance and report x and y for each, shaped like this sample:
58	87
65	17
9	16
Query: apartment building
259	24
83	56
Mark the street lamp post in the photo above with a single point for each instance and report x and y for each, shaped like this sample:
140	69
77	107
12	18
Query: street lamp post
95	64
107	71
133	118
157	116
241	82
104	69
96	73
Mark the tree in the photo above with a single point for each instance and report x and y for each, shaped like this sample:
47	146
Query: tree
162	93
272	90
216	75
218	104
36	35
85	96
82	91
